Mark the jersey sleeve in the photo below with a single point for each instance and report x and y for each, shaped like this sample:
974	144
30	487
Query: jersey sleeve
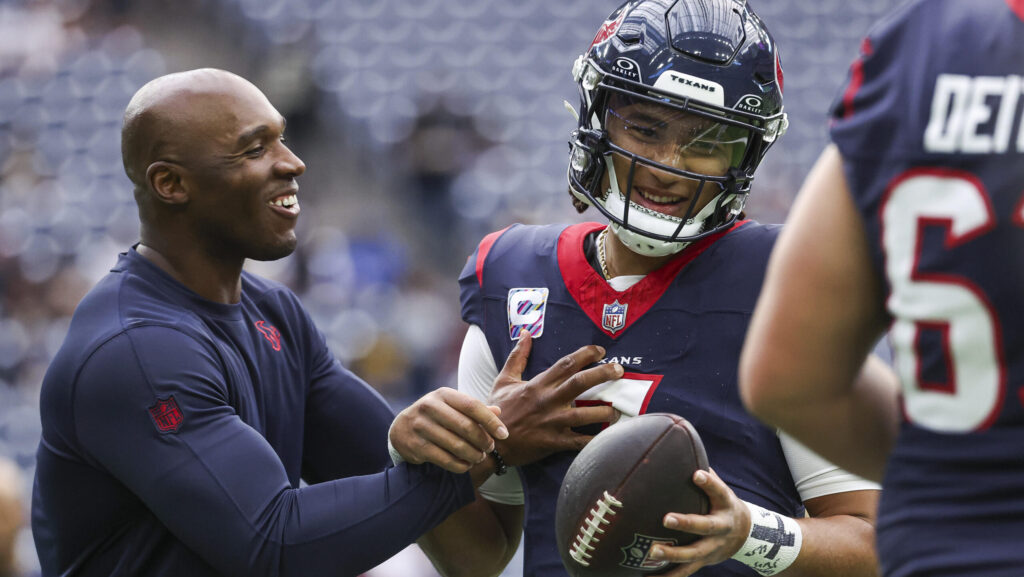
477	371
471	280
219	486
879	95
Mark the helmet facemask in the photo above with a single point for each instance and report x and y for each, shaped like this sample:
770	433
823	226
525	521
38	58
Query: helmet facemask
664	171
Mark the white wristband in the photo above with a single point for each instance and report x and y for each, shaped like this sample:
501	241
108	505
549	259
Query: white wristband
773	543
396	458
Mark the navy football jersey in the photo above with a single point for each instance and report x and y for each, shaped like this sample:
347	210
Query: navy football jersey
930	130
677	333
176	431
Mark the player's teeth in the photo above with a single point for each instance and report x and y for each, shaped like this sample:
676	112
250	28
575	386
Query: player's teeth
659	199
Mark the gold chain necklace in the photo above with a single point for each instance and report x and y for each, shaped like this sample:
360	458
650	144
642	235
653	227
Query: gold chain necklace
600	253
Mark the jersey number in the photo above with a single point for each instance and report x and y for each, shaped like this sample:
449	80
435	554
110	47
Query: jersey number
629	394
946	311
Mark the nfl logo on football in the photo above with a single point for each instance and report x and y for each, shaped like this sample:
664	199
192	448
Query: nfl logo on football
635	555
614	317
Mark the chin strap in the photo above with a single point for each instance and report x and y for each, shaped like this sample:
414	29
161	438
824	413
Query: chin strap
572	111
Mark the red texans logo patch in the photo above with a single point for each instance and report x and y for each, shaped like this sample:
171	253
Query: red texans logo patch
778	73
608	29
166	415
272	334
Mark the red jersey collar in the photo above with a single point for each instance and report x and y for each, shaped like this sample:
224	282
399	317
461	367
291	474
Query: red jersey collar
598	299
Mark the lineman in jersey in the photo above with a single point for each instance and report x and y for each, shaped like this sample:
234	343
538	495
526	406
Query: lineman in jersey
912	224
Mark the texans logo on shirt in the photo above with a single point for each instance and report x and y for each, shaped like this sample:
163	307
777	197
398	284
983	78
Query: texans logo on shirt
271	333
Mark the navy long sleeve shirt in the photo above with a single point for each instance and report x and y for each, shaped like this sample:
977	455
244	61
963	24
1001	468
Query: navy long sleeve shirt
176	431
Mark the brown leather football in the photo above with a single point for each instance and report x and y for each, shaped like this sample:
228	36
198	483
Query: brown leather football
617	491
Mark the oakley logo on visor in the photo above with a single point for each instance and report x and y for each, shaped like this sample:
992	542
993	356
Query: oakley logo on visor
626	68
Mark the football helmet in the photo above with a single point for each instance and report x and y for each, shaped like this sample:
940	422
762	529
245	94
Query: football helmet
679	101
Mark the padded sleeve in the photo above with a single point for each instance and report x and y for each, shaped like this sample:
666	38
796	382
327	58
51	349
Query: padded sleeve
477	372
816	477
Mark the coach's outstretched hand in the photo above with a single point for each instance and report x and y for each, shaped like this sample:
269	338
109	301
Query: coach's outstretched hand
447	428
539	413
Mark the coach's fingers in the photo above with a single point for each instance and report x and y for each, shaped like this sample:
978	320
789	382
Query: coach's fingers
455	442
579	383
422	440
437	456
439	417
481	415
515	364
464	429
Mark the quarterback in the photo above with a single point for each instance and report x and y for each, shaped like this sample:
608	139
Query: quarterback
679	102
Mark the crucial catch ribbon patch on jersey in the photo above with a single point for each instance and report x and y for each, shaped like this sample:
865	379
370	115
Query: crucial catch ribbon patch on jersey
526	308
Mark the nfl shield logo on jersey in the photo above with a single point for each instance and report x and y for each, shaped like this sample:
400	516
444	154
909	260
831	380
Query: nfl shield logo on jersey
526	307
614	316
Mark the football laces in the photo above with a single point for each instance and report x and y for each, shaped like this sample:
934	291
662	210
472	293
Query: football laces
587	537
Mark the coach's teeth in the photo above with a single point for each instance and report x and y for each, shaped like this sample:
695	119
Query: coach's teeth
286	201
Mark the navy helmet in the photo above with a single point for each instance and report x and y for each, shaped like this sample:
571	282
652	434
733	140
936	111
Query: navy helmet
689	90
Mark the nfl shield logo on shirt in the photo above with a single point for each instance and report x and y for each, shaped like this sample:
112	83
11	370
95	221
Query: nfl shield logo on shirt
166	415
526	307
614	316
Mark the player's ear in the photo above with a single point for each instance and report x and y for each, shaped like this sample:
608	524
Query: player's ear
165	182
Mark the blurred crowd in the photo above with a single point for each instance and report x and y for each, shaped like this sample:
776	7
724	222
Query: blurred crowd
425	124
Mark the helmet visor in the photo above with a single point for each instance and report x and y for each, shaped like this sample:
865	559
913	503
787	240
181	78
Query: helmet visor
675	137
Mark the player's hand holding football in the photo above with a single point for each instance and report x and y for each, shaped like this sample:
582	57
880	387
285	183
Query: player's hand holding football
447	428
723	530
539	413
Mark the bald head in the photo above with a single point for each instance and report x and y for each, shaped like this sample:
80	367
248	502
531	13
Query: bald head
169	116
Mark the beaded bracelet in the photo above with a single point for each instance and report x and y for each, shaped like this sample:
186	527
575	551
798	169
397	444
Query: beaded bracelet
500	468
